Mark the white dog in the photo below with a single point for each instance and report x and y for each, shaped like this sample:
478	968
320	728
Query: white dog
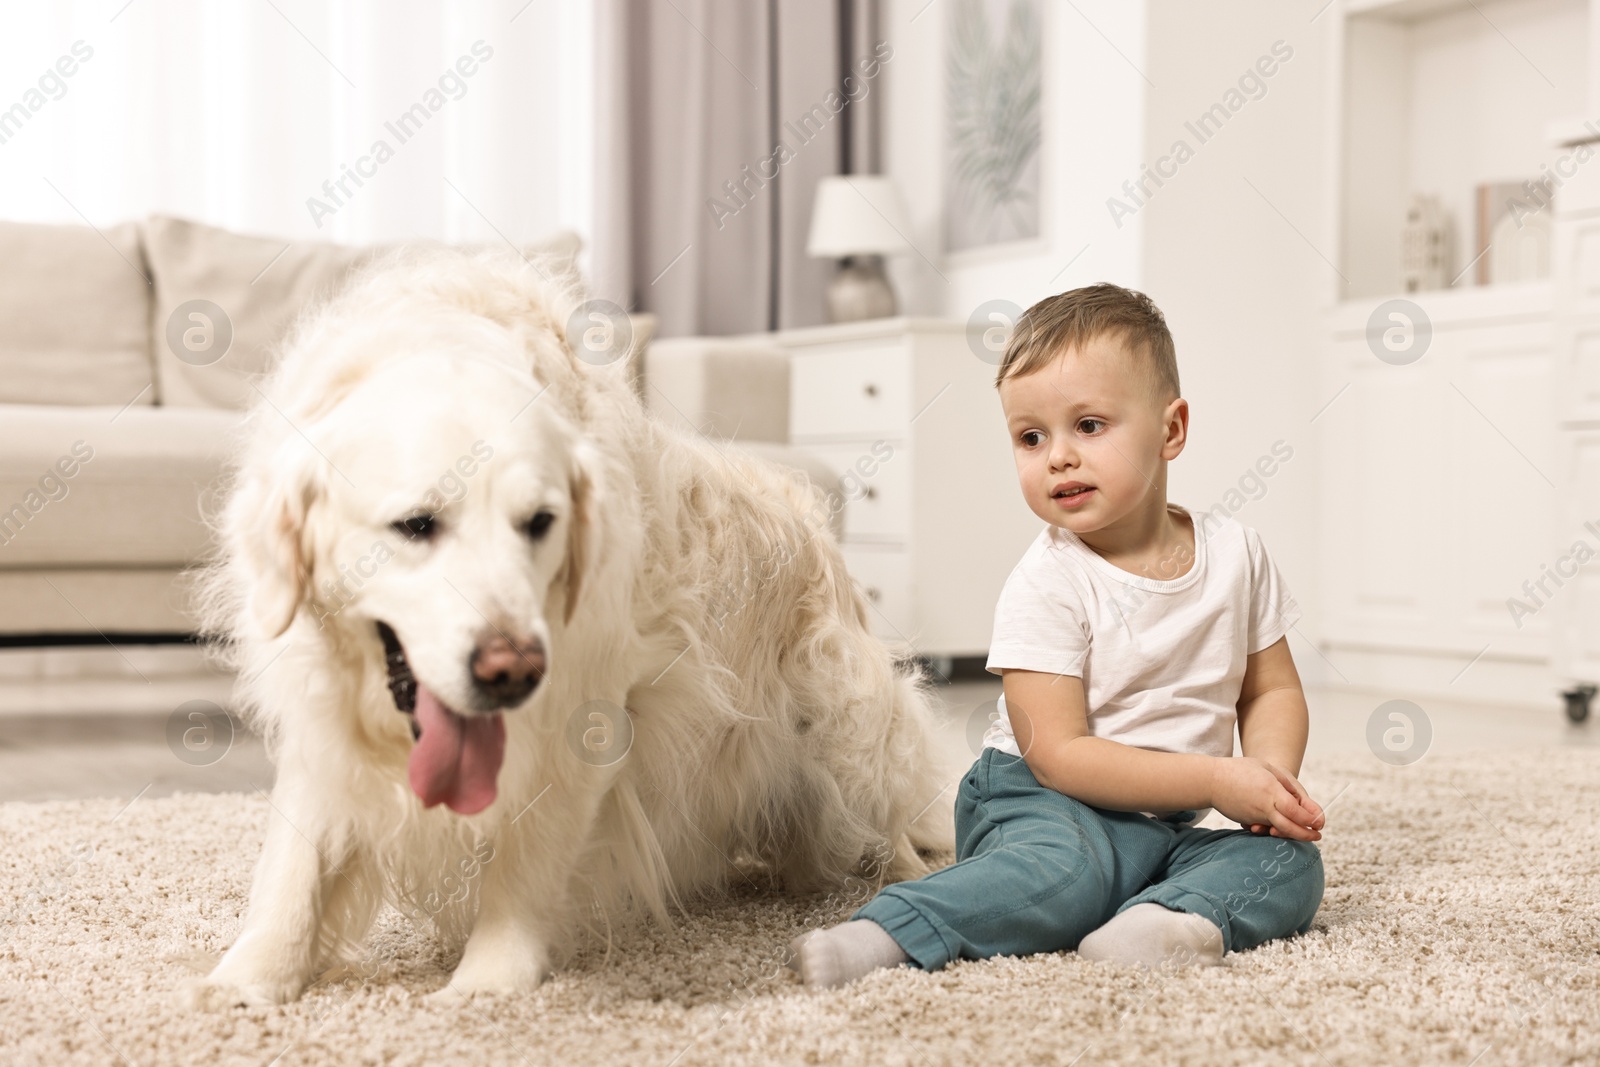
527	657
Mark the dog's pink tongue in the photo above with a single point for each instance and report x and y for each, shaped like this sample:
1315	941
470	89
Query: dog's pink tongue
457	758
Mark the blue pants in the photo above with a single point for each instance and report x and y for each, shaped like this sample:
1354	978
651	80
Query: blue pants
1036	871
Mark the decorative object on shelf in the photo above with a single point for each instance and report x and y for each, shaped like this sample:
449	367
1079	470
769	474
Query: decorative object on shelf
858	219
1514	230
1426	245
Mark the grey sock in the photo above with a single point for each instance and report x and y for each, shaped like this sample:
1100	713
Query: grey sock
839	954
1150	934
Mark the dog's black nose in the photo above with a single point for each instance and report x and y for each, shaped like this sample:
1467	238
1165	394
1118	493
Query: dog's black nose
506	669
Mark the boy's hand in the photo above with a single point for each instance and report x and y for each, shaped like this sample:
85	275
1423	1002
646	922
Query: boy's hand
1265	798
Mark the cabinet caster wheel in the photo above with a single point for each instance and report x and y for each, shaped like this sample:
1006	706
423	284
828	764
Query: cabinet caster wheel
1578	701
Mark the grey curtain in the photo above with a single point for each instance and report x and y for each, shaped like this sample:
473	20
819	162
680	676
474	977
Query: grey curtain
715	120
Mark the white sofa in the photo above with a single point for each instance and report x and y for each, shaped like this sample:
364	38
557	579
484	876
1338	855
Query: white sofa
111	445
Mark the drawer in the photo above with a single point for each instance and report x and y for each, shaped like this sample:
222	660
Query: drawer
884	577
1581	192
1575	628
1577	377
875	478
849	391
1576	265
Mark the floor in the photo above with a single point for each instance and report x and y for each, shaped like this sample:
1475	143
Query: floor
79	723
1411	959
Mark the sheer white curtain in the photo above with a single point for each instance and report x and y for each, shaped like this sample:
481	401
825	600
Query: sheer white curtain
237	113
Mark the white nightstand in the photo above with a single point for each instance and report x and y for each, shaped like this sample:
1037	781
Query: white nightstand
934	520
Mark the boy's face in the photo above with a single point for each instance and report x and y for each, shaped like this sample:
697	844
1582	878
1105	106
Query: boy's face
1087	418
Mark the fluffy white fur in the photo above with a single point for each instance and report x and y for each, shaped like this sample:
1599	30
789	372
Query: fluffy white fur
787	738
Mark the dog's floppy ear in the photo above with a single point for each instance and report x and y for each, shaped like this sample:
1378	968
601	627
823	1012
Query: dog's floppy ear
274	524
581	530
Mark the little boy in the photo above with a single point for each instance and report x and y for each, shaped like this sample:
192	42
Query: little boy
1129	639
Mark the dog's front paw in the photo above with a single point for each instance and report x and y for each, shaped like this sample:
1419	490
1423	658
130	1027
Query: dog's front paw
214	993
494	981
497	965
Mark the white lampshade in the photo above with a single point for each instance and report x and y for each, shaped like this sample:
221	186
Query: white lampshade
857	215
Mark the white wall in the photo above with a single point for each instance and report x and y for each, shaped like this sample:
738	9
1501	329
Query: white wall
1234	255
1239	286
1093	112
227	113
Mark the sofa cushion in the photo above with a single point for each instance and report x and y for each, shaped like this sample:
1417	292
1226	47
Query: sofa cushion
74	316
260	284
99	486
107	600
722	388
258	291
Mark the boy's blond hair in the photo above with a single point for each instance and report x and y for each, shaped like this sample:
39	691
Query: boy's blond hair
1077	317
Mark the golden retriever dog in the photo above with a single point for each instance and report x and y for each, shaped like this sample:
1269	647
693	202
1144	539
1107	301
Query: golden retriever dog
529	660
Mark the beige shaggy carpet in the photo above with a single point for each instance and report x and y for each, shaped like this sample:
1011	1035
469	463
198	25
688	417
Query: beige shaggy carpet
1460	925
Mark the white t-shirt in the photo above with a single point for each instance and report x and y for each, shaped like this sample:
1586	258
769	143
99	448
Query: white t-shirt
1162	661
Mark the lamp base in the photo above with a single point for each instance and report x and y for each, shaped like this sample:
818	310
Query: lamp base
860	290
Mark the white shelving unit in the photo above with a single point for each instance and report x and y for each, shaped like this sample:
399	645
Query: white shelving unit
1577	401
1452	480
1435	97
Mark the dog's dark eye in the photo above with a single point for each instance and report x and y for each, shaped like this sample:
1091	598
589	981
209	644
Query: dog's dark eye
539	524
420	525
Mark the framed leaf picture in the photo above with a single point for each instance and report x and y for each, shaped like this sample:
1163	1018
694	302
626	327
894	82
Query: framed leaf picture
993	129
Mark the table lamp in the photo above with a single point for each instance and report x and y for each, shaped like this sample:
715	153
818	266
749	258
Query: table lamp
858	219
